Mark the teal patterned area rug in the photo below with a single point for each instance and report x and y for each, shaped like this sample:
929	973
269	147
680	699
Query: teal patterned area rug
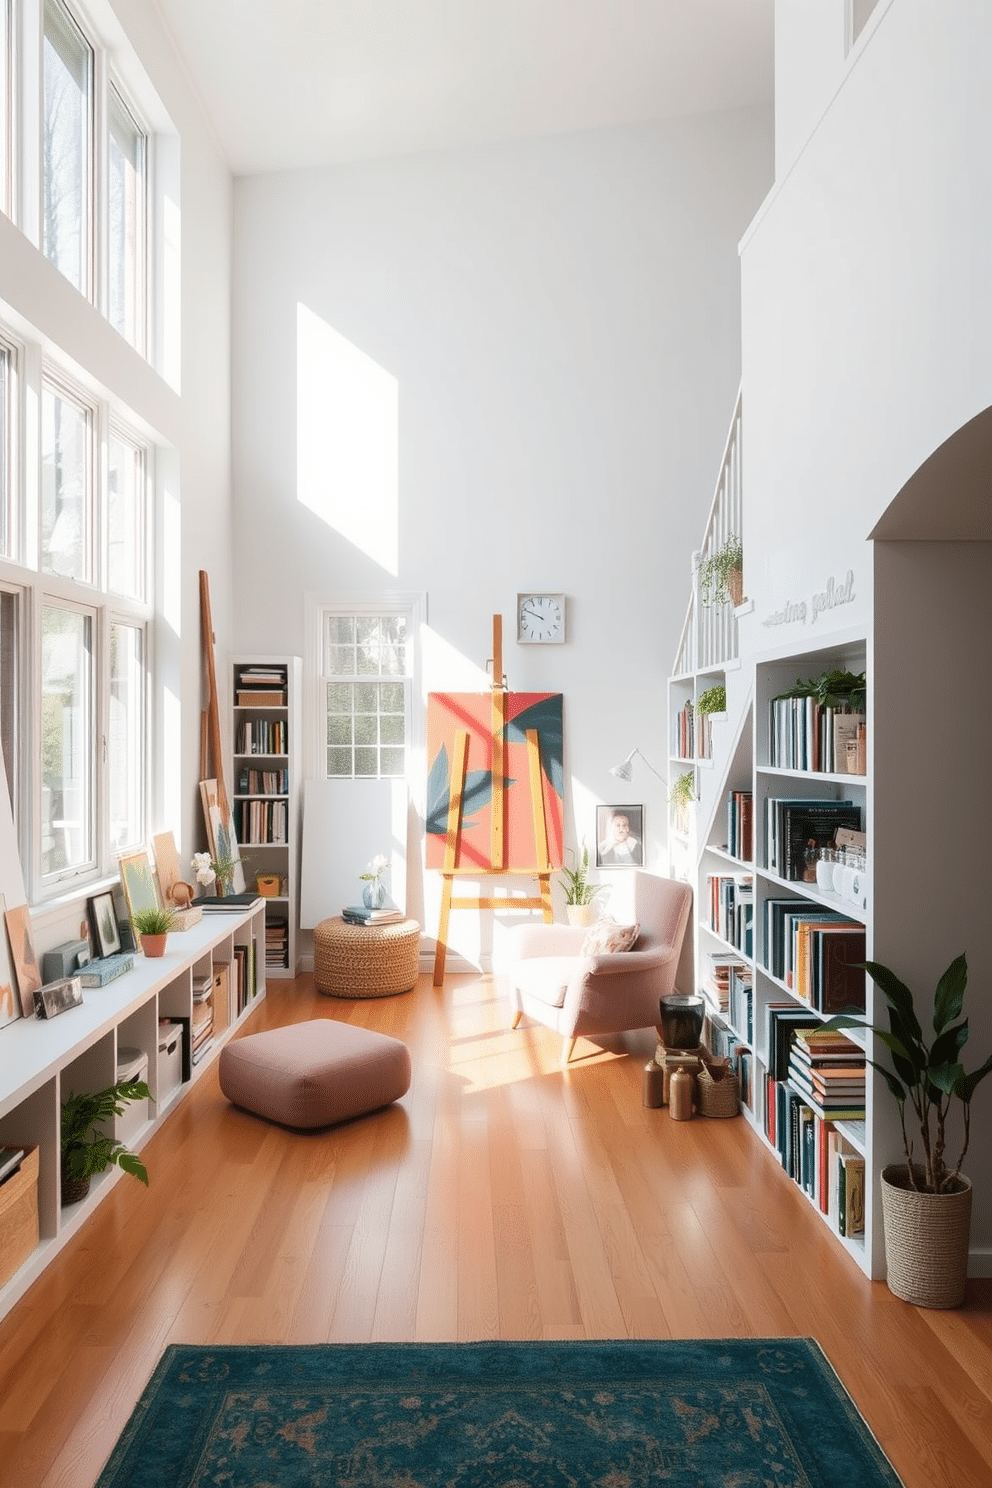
727	1414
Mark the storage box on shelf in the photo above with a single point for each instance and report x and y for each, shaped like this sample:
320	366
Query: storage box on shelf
266	778
139	1022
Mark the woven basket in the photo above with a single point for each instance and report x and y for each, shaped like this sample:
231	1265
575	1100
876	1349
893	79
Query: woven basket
718	1097
365	961
926	1241
735	586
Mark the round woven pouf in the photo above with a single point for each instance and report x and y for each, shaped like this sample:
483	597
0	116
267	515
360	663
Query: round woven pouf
365	960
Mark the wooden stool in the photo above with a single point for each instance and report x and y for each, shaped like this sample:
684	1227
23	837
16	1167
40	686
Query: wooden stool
365	960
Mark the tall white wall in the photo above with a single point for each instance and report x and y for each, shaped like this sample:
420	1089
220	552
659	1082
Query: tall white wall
561	318
866	316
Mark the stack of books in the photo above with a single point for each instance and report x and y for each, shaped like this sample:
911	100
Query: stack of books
203	1016
357	914
829	1072
276	942
261	686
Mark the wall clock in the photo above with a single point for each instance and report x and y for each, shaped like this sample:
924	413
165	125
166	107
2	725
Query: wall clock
540	618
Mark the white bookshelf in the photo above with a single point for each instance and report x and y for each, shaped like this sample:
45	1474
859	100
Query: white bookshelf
44	1060
266	793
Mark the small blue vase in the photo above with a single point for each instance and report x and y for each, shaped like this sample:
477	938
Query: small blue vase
373	893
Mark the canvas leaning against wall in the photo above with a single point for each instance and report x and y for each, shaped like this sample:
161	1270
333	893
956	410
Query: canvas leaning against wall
448	713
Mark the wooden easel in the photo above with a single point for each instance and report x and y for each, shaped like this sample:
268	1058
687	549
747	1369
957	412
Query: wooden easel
210	741
459	765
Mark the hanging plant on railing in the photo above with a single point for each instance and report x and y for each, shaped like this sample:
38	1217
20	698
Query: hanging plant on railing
720	575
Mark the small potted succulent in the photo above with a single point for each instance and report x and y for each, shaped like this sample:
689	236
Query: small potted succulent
153	926
85	1146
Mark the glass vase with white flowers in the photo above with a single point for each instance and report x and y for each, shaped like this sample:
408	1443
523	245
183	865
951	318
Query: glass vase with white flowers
373	888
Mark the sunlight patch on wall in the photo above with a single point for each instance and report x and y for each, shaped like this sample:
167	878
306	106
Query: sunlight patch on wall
347	439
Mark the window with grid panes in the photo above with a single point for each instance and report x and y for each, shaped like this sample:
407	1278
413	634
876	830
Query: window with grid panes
365	690
67	145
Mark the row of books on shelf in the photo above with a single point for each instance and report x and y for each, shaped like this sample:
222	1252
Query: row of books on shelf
260	686
797	828
244	969
276	941
262	736
693	733
740	825
263	783
731	909
806	734
816	1156
260	822
818	953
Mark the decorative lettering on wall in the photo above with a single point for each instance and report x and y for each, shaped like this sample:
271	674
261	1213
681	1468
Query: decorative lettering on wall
798	612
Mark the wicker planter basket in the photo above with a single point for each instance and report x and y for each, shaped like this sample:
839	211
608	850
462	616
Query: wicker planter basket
735	586
718	1097
926	1241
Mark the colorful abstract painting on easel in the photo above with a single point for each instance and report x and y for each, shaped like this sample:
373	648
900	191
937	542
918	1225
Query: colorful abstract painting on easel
450	714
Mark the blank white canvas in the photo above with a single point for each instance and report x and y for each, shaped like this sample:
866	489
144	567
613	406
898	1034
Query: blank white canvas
336	813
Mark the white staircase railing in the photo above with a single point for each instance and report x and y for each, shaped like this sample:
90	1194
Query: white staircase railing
709	635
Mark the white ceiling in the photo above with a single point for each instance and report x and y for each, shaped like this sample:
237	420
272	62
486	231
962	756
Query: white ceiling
292	83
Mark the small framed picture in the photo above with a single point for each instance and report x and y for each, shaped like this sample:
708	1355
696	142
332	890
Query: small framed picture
138	882
58	997
106	936
619	836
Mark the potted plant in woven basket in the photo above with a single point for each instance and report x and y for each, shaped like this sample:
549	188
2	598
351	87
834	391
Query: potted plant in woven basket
580	892
926	1202
720	574
85	1146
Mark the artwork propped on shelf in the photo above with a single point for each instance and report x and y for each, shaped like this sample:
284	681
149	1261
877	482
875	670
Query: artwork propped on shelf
494	792
220	833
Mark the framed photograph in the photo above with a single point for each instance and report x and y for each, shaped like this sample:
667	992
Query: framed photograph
26	968
619	836
106	936
138	882
58	997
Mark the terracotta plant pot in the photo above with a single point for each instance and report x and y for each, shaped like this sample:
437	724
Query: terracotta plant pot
926	1240
153	945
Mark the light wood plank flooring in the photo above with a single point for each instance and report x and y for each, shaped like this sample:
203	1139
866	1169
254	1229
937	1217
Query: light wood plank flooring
504	1198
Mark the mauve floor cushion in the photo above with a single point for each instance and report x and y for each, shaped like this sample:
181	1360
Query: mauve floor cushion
313	1074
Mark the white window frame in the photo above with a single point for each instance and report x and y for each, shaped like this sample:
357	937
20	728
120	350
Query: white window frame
414	608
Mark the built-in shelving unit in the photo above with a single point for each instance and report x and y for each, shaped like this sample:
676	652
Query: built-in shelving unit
266	784
744	900
44	1060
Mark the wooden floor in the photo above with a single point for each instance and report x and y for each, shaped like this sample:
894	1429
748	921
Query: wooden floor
503	1198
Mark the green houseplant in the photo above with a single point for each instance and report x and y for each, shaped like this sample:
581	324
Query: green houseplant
926	1193
153	925
580	891
713	700
86	1148
720	573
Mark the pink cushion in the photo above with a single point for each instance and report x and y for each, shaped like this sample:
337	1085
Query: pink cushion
313	1074
606	938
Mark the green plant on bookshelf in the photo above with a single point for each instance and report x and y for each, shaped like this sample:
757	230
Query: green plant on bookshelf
713	700
837	689
86	1147
720	574
153	921
682	794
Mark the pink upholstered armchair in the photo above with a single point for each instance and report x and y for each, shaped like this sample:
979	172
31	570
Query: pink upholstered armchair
555	984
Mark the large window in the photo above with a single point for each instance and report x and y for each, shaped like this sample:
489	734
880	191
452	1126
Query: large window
6	104
364	690
67	730
67	132
66	486
9	690
126	742
126	503
126	237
